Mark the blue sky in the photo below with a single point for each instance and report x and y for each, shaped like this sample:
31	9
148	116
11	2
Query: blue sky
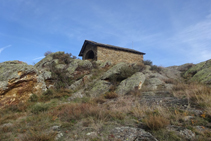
170	32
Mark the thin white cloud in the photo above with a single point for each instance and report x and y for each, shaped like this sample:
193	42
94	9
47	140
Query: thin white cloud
197	38
38	58
1	49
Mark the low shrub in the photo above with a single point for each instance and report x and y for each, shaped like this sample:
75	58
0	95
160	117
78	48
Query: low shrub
47	53
64	58
39	107
33	98
51	93
111	95
125	72
169	81
155	68
147	62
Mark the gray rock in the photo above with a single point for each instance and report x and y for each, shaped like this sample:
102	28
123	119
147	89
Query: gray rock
78	94
100	87
171	73
187	133
58	136
55	128
131	83
18	81
130	134
60	66
103	64
46	75
92	134
85	64
76	84
114	70
153	83
7	125
187	118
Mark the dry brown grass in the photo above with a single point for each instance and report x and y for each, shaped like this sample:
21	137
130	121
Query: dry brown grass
156	122
198	93
170	81
111	95
78	111
38	136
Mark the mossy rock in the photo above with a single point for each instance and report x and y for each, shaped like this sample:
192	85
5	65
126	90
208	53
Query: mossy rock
100	87
201	72
131	83
9	70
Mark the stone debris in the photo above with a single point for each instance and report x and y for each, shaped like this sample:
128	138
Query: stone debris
130	134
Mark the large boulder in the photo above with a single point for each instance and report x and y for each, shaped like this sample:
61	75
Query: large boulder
131	83
115	70
100	87
18	81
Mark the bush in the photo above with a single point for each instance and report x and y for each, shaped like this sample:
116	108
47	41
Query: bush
63	58
147	62
110	95
155	68
50	94
125	72
39	107
47	53
33	98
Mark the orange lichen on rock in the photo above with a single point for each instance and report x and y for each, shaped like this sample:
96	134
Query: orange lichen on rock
19	90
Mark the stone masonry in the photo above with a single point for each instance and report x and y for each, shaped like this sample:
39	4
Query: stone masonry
103	52
116	56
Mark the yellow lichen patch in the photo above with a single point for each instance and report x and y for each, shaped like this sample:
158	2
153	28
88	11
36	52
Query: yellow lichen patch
20	92
139	86
20	73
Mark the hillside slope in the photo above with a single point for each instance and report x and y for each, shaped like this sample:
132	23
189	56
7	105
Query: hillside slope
61	98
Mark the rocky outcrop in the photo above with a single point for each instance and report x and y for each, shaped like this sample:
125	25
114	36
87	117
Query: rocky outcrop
200	72
115	70
131	83
100	87
18	81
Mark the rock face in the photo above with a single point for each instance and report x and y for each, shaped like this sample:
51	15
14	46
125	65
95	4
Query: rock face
115	70
18	81
200	72
131	83
100	87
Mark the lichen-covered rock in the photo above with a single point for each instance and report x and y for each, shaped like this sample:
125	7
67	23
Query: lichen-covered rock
85	64
103	64
131	83
188	134
60	66
79	64
200	72
114	70
171	73
83	82
18	81
130	134
100	87
154	83
183	67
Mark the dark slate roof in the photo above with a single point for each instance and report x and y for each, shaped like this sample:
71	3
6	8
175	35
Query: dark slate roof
107	46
